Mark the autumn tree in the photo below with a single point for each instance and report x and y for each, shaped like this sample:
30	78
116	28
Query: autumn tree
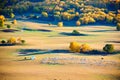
109	19
8	26
60	24
78	23
12	15
85	48
75	47
118	27
108	48
75	32
12	40
2	20
15	21
3	41
45	14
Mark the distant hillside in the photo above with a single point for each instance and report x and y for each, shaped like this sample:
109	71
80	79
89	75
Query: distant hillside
79	12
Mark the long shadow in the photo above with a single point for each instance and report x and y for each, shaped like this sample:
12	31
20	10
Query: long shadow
7	44
27	52
97	52
72	34
42	30
102	30
9	30
113	41
24	52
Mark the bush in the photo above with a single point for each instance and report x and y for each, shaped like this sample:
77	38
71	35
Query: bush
12	15
14	21
78	23
8	26
85	48
118	27
75	32
108	48
3	41
75	47
22	41
77	14
1	23
2	19
60	24
45	14
12	40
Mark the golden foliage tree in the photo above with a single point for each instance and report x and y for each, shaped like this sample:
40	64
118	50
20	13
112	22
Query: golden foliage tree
2	20
85	48
12	40
12	15
45	14
14	21
118	27
60	24
75	47
78	23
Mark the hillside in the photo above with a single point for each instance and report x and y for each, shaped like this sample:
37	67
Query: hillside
77	12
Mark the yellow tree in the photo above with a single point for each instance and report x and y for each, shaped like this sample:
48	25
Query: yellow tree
2	20
85	48
12	40
45	14
78	23
14	21
60	24
75	46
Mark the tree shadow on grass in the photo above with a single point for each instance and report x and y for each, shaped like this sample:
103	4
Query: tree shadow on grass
7	44
113	41
72	34
42	30
9	30
25	52
28	52
102	31
97	52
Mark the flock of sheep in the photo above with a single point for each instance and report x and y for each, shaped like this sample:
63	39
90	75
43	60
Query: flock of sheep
76	60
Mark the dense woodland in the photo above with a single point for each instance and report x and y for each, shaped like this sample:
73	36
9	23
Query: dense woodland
80	12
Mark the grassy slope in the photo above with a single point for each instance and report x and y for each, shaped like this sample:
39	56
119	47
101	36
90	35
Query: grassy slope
13	69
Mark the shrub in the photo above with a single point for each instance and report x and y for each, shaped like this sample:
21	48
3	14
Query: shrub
75	47
118	26
78	23
12	40
3	41
85	48
12	15
14	21
108	48
60	24
45	14
77	14
1	23
75	32
8	26
2	19
22	41
109	19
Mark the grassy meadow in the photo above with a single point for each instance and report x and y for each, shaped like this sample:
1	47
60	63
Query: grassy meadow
45	37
